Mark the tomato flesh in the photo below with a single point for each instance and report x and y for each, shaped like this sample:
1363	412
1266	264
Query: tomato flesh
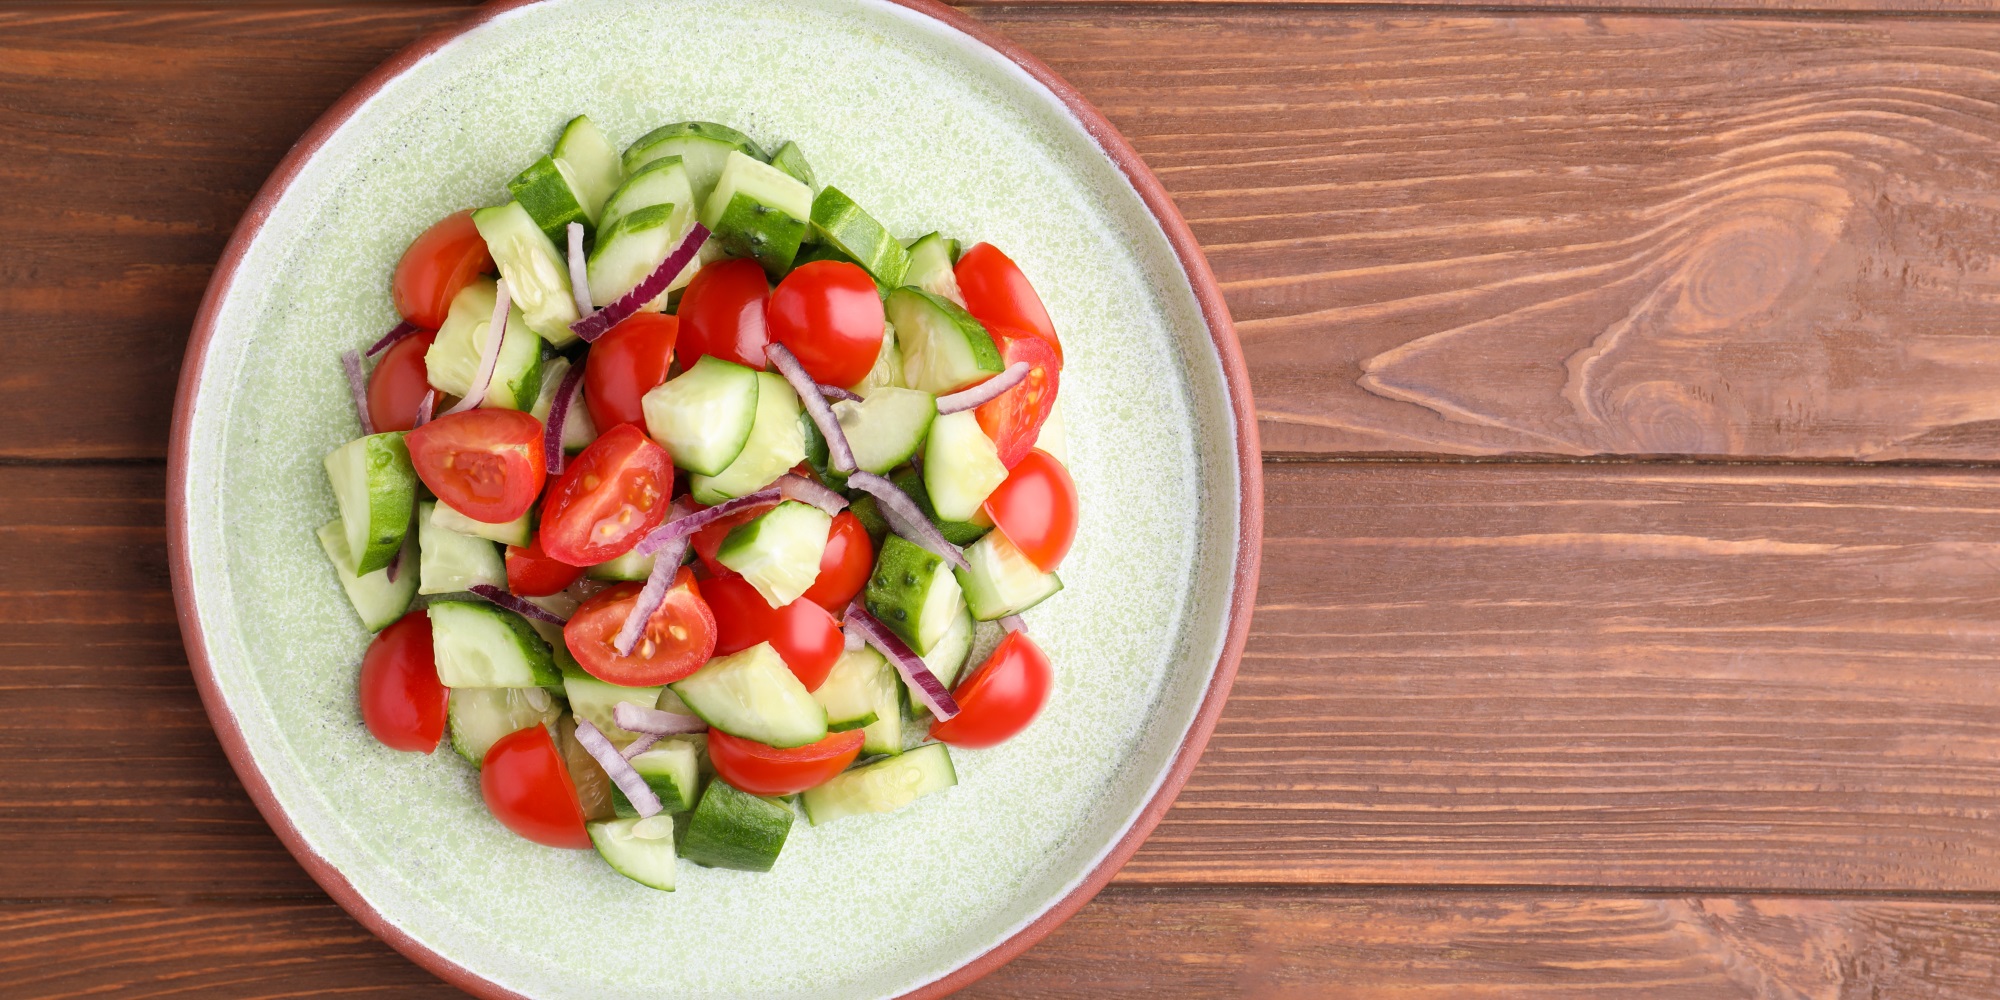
678	639
829	314
486	463
804	634
1036	509
528	789
998	294
844	566
761	769
531	573
437	265
399	383
1014	418
609	497
401	699
999	699
626	363
722	313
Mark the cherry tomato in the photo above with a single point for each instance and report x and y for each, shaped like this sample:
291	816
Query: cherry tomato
529	790
1014	418
487	464
1036	509
531	573
436	267
997	294
401	699
608	498
829	314
844	567
628	361
804	635
399	382
761	769
679	638
722	313
708	541
1000	698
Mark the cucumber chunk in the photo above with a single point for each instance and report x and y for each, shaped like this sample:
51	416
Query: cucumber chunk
961	466
735	829
846	227
1002	580
639	849
863	692
792	160
591	162
515	532
671	770
752	694
947	658
913	592
482	646
882	787
778	551
537	273
661	182
944	348
759	211
776	444
551	197
597	701
887	426
376	598
578	429
703	416
702	146
453	359
888	368
451	563
633	248
376	487
478	717
911	482
630	566
931	259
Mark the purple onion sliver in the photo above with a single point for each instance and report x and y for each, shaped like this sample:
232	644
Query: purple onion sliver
641	745
520	607
838	394
552	437
594	325
640	719
1013	623
906	518
489	355
985	391
682	527
924	685
424	409
793	486
357	383
839	455
579	276
396	333
666	563
618	769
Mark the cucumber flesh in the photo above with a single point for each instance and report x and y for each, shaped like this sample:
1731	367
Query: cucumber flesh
913	592
376	487
631	249
630	566
760	212
946	659
931	259
844	225
578	429
639	849
734	829
887	426
516	532
961	466
848	693
591	163
537	273
376	598
597	701
888	368
883	786
702	146
671	769
452	361
451	563
478	717
792	160
752	694
1002	580
778	552
661	182
944	348
776	444
704	415
482	646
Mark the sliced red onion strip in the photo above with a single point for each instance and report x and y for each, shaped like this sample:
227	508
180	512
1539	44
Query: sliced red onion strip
579	276
424	409
516	605
489	355
1013	623
924	685
906	518
681	527
838	394
357	384
793	486
985	391
593	325
642	719
552	436
666	563
396	333
839	455
641	745
618	769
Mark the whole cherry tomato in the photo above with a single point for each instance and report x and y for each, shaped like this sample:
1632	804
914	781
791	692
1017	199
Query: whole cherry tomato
531	573
997	294
829	314
805	636
528	789
626	363
401	699
399	383
722	313
844	566
761	769
1036	509
609	497
487	464
678	639
999	699
436	266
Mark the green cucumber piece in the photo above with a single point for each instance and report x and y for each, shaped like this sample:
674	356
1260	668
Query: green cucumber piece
597	701
630	566
759	211
913	592
931	259
887	426
376	487
702	146
537	272
776	444
479	645
792	160
946	659
661	182
635	246
778	551
752	694
376	598
704	415
732	828
452	361
639	849
844	225
882	787
672	770
911	481
516	532
961	466
478	717
1002	580
551	197
944	348
888	368
451	563
863	691
591	162
578	429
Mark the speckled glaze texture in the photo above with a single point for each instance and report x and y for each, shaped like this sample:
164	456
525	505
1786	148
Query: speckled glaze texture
929	130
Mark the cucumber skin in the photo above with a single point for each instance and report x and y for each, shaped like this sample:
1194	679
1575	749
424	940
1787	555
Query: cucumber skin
393	488
899	585
844	224
792	160
834	800
956	532
770	236
985	359
551	202
734	829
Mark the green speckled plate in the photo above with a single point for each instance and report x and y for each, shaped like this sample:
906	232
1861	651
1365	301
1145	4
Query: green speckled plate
931	123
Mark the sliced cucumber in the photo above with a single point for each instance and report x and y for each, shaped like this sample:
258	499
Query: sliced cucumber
752	694
537	273
911	482
551	197
792	160
635	246
578	430
592	163
376	487
630	566
451	563
735	829
776	444
1002	580
639	849
597	701
704	415
759	211
671	770
882	787
944	348
843	224
913	592
863	692
946	659
453	359
778	551
703	146
478	717
661	182
516	532
931	259
887	426
961	466
888	368
479	645
376	598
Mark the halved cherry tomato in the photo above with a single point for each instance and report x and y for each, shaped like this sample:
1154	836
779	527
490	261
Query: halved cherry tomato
1000	698
529	790
722	313
436	267
708	541
1036	508
627	362
829	314
679	638
531	573
761	769
609	497
844	566
997	294
1014	418
487	464
399	383
401	699
804	635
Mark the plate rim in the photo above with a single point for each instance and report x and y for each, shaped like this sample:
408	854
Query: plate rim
1222	334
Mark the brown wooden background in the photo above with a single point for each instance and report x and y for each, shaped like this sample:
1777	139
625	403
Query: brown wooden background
1631	393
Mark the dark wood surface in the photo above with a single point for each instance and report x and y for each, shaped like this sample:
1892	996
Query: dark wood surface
1506	727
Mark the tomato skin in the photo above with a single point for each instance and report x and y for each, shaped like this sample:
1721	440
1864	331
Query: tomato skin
399	383
998	294
627	362
594	627
844	567
766	770
802	632
401	699
1036	509
1014	418
999	699
609	497
436	266
722	313
487	464
528	789
829	315
531	573
708	541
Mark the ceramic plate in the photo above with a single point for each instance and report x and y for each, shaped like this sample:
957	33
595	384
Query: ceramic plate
920	116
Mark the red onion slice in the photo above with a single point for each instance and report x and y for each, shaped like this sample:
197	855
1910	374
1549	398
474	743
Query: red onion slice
357	385
552	436
984	392
424	409
678	528
1013	623
641	745
489	355
837	394
618	769
579	276
793	486
666	563
641	719
906	518
520	607
924	685
839	455
593	325
396	333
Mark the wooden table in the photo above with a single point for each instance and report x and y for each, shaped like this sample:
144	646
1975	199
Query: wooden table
1632	582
